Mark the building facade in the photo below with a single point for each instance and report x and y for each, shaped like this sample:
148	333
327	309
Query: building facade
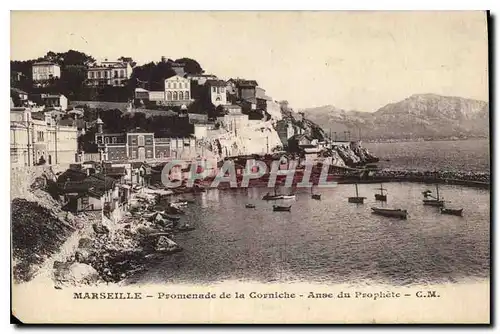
56	101
200	79
45	70
41	141
216	92
178	91
109	73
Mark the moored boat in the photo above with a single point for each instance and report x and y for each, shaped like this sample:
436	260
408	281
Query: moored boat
281	208
381	197
430	200
250	206
433	202
315	196
357	199
454	212
398	213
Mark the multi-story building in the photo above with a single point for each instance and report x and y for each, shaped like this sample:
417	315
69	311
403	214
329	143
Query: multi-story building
216	92
19	97
109	73
141	146
178	91
56	101
38	138
241	89
45	70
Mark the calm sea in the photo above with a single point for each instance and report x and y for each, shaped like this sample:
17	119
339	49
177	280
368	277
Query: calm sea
330	241
460	155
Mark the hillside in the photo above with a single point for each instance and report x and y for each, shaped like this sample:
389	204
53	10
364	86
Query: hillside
427	116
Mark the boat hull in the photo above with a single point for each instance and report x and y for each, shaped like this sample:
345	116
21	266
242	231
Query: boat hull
452	212
382	198
396	213
316	197
282	208
250	206
433	202
276	197
360	200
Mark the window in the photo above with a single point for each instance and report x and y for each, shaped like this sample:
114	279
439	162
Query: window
175	96
174	85
116	74
169	96
113	140
141	140
117	83
181	96
98	75
39	135
134	154
92	75
122	74
149	154
106	140
105	74
168	84
214	89
186	95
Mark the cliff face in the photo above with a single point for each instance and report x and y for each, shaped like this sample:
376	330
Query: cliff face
345	154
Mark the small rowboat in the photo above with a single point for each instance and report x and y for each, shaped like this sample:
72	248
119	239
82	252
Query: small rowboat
434	202
281	208
357	198
250	206
454	212
275	197
398	213
316	196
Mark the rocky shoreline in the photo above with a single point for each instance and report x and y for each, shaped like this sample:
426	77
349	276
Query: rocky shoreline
107	252
110	253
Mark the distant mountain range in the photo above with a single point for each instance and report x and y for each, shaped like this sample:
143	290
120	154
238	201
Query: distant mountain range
426	116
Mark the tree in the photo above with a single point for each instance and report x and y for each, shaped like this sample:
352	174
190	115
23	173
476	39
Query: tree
191	66
128	60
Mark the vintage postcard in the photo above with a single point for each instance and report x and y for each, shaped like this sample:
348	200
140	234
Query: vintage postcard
250	167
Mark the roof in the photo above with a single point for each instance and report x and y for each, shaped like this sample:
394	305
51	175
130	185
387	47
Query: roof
301	136
115	171
246	83
67	122
217	83
38	115
18	91
94	185
49	96
41	63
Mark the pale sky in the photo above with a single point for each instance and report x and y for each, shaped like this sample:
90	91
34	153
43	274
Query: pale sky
352	60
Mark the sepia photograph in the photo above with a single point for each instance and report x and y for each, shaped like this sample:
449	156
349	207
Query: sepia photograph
250	167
